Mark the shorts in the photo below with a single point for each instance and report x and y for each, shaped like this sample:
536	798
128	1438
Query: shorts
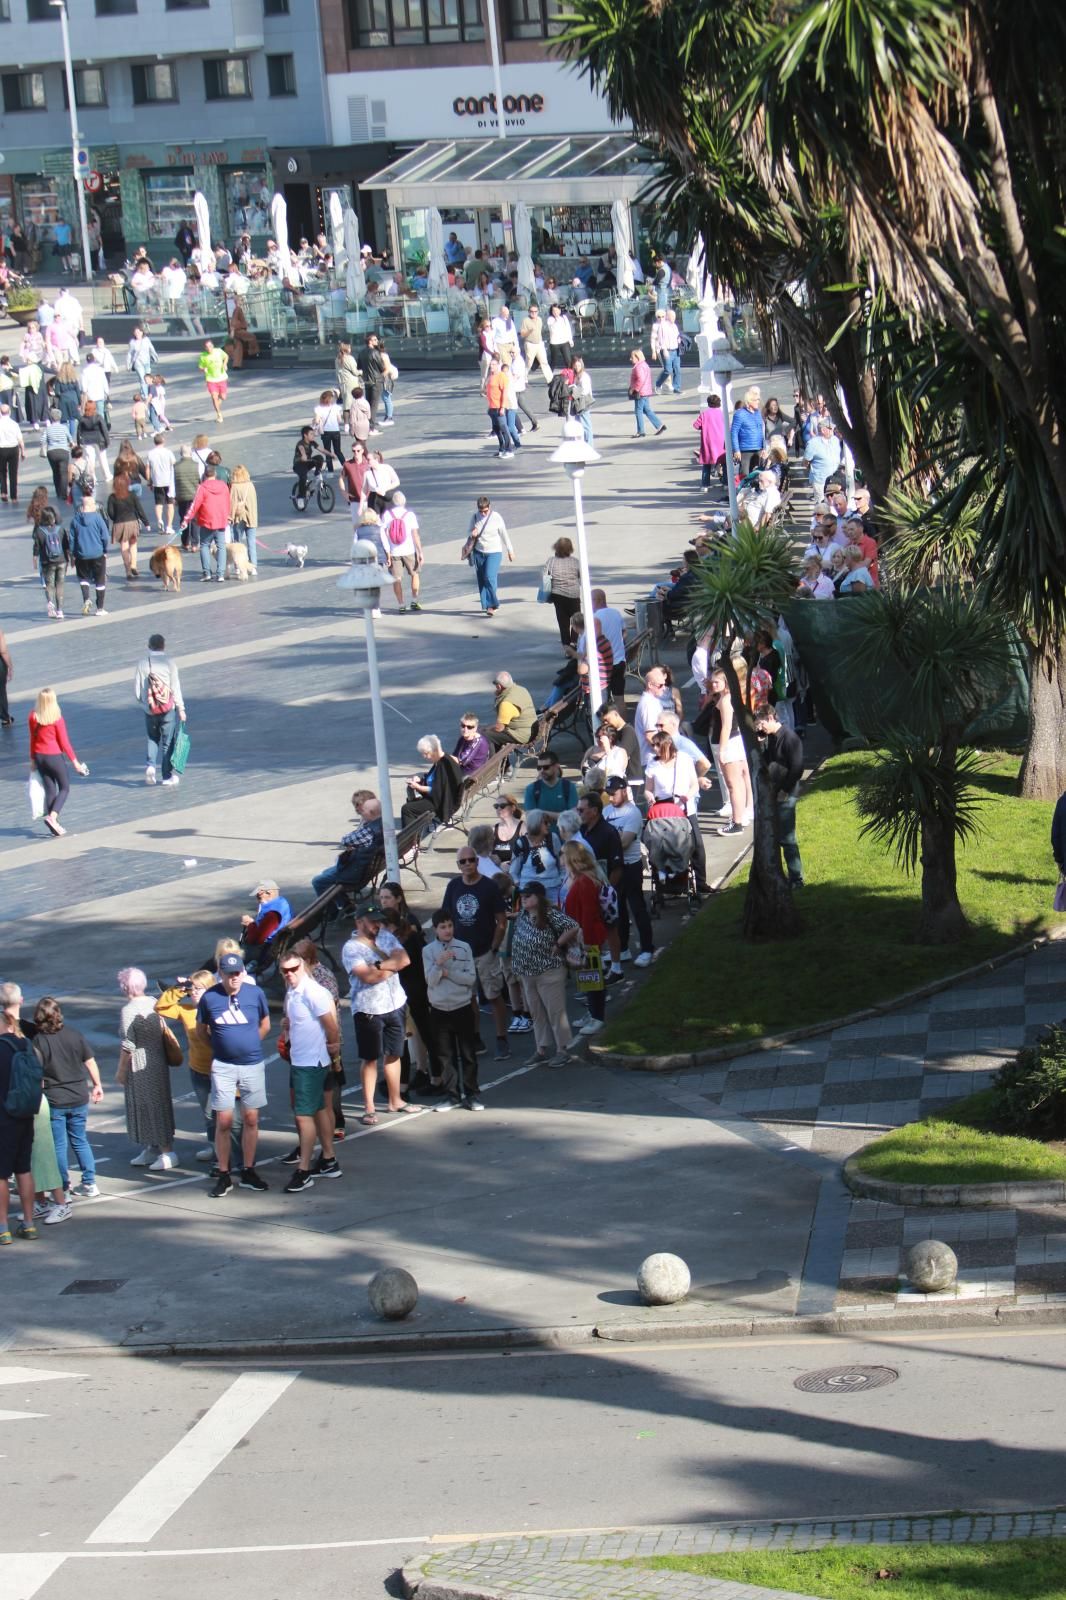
16	1146
162	495
308	1085
226	1080
381	1035
220	389
490	973
397	565
734	750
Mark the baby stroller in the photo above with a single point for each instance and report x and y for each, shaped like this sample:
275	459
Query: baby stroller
668	841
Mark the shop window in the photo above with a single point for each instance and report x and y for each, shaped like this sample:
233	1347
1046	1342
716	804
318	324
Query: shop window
90	87
41	11
168	202
281	75
389	22
152	83
37	203
247	199
535	19
227	79
24	91
116	8
275	8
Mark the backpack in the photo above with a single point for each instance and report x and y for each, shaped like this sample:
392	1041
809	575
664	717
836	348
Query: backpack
609	904
26	1083
52	540
159	696
397	531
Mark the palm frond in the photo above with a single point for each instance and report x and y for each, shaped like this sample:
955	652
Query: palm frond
912	783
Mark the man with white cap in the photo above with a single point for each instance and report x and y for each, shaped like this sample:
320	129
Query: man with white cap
402	545
273	914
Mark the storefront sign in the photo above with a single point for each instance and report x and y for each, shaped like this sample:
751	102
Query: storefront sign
427	102
514	105
105	157
57	163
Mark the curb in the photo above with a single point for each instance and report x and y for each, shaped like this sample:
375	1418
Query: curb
416	1583
701	1058
844	1323
1024	1192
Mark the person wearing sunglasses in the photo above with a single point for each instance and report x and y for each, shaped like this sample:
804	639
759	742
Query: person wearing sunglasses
472	749
550	792
310	1039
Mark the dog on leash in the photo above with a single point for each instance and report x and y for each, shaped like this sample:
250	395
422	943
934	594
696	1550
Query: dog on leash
166	563
237	563
297	553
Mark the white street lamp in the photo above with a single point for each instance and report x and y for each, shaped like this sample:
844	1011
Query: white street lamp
723	366
75	139
365	579
575	455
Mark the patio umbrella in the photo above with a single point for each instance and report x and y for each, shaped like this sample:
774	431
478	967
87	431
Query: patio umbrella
437	276
203	229
523	243
336	228
355	279
701	283
279	222
623	248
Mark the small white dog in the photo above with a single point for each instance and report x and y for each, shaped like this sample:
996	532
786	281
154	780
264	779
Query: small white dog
297	553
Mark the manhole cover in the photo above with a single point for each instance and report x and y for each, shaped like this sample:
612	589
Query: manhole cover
93	1286
846	1380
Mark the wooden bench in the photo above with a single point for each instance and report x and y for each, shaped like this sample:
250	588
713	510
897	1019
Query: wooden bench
486	778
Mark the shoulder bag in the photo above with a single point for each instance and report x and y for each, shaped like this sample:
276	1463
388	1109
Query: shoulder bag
544	592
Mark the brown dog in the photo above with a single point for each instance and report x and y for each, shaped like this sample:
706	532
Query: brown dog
166	563
237	563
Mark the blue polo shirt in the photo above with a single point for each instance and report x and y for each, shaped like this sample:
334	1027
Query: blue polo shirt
233	1022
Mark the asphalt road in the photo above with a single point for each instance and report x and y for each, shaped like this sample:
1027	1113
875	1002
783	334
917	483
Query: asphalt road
202	1478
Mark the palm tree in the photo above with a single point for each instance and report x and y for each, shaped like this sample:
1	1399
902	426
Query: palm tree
743	584
924	664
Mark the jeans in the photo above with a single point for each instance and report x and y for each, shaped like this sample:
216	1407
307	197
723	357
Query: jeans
670	361
585	419
161	728
786	837
662	296
642	408
142	379
354	876
386	401
486	568
631	899
246	536
201	1088
706	470
509	420
217	537
68	1127
455	1034
53	576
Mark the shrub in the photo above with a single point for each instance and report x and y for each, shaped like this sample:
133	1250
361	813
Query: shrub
24	299
1029	1093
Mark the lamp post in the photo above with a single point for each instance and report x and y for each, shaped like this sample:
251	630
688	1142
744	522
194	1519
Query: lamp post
75	139
364	579
575	455
723	366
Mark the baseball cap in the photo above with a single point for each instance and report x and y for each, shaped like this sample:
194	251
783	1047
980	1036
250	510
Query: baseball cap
268	884
229	963
616	781
368	908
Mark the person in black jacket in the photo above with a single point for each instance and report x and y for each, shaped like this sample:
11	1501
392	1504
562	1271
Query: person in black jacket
784	754
374	375
1058	835
439	790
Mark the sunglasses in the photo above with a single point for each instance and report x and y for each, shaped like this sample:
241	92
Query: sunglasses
500	805
466	861
290	970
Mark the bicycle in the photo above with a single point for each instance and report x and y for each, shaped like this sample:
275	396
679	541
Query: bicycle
316	487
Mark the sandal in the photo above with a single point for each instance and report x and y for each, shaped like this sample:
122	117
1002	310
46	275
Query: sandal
398	1110
5	1236
369	1120
26	1230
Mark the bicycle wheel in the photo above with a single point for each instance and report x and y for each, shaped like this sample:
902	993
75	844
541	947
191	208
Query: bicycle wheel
295	501
327	499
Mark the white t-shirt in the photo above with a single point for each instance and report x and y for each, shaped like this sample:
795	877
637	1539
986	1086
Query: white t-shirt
304	1006
645	721
627	819
410	523
327	419
488	868
10	434
94	384
666	780
174	281
160	464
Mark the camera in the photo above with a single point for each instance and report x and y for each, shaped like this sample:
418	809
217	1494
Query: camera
538	861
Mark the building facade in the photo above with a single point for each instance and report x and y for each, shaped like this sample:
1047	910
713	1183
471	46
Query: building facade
172	96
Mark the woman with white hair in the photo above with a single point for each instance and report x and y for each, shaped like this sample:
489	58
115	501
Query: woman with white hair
437	792
144	1074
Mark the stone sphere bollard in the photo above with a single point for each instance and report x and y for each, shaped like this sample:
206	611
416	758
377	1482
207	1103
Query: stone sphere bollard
932	1265
663	1280
393	1294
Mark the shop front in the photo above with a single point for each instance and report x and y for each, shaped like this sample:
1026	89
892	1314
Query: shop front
311	176
158	182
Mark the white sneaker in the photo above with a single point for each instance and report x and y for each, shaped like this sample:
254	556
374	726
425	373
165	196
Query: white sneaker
747	819
149	774
103	613
627	955
206	1154
723	811
376	611
144	1159
51	608
593	1025
171	782
85	1191
57	1213
645	959
163	1162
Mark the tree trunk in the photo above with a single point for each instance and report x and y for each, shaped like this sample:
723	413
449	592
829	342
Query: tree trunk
943	920
769	910
1043	774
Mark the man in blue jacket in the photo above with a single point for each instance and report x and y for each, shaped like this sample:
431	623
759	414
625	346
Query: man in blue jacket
89	539
747	433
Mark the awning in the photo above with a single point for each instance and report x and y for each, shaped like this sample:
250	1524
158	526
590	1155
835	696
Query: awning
562	170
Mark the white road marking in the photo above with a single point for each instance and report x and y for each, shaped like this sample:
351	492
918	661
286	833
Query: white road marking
34	1375
20	1416
163	1490
22	1576
409	1539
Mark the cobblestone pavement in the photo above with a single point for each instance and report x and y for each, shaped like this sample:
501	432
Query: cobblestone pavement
587	1564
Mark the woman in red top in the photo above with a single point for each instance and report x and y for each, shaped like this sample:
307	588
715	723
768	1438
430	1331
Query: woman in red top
50	748
582	902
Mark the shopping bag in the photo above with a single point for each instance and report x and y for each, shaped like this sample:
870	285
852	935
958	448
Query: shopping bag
182	745
589	978
544	592
1060	892
35	790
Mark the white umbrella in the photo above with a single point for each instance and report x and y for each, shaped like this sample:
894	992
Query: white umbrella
701	283
437	276
523	243
203	226
279	222
623	248
355	279
336	224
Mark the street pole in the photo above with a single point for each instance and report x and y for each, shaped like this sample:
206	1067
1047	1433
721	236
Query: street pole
75	141
388	820
497	75
577	472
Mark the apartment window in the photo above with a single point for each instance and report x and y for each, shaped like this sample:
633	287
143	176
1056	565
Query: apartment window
5	10
387	22
116	8
24	91
227	79
535	19
152	83
281	75
90	87
41	11
275	8
187	5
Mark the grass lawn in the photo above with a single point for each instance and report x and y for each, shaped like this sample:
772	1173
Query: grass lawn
1014	1570
860	912
961	1149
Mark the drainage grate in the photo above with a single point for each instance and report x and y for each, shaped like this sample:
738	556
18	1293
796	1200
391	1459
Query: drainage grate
93	1286
845	1380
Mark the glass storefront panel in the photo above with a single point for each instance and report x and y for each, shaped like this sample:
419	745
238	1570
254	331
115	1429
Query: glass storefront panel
37	203
414	238
168	201
247	199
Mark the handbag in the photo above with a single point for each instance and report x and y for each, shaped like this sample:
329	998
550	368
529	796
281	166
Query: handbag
182	745
1060	895
171	1048
35	791
544	592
